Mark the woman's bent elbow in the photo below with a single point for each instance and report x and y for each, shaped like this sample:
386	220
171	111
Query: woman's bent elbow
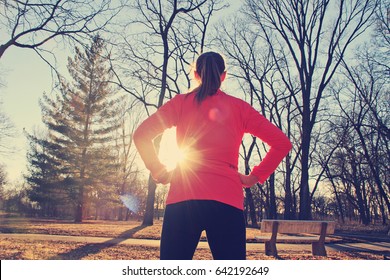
137	137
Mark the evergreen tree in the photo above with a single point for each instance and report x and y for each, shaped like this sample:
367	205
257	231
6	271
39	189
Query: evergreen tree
44	178
80	121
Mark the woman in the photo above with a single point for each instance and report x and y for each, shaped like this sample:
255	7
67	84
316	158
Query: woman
206	188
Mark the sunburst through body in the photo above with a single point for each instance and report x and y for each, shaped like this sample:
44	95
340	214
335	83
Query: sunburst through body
170	154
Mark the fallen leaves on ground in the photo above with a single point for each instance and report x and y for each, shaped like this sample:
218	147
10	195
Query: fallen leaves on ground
15	249
25	249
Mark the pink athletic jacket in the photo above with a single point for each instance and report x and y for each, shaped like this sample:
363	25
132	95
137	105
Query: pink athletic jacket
210	133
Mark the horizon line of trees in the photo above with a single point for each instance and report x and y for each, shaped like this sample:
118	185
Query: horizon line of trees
294	61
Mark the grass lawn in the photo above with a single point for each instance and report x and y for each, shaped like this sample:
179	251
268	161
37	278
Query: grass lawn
29	249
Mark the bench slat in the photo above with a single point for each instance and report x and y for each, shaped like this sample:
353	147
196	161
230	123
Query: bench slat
287	226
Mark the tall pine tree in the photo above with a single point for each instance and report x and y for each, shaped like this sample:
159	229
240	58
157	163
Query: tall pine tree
80	121
44	178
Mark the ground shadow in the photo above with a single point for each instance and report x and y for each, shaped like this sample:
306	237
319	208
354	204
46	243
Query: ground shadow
359	253
349	246
94	248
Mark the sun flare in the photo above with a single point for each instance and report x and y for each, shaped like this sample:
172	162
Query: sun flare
170	154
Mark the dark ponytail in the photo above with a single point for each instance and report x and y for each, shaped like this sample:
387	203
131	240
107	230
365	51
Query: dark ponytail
210	66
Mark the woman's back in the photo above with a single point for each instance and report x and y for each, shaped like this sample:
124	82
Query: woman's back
209	135
212	129
206	189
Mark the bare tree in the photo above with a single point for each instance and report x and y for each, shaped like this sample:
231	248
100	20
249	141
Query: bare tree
248	67
32	24
268	88
364	103
369	119
3	176
7	132
127	173
317	35
158	54
363	99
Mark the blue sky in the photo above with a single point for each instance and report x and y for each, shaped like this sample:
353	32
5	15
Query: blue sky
26	77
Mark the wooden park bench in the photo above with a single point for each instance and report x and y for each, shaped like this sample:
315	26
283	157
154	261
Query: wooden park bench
321	228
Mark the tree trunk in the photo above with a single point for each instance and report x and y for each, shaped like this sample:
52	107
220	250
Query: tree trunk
149	211
338	200
272	198
361	207
252	212
288	200
304	193
120	213
383	212
79	207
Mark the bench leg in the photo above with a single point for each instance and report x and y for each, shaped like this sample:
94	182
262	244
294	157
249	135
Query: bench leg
318	247
270	246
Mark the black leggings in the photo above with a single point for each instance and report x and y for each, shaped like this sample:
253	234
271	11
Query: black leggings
185	221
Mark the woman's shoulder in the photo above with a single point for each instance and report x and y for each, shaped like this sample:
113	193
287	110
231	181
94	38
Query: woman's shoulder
179	101
185	95
178	98
235	100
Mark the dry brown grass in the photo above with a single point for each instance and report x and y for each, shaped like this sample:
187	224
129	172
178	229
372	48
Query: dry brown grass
27	249
15	249
109	229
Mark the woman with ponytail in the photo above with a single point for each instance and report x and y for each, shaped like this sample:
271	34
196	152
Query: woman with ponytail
206	188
